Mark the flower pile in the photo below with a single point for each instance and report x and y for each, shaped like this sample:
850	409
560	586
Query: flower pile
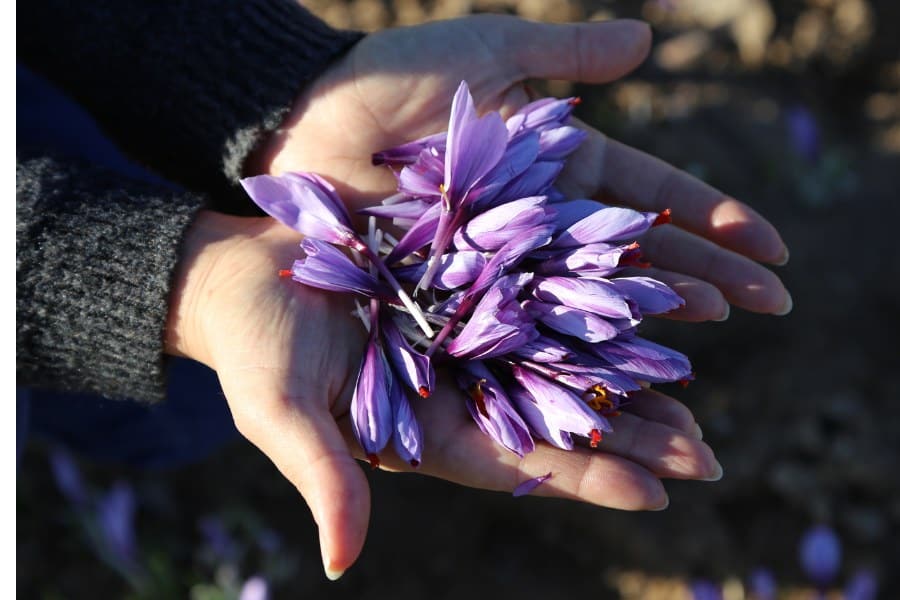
515	288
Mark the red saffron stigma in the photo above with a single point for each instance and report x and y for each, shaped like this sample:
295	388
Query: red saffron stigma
424	392
596	437
687	380
478	396
285	272
414	463
663	218
374	461
575	101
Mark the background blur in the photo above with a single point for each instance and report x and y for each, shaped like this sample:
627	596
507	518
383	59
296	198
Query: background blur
793	107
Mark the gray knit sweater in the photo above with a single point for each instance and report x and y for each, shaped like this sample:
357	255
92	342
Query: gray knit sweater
185	88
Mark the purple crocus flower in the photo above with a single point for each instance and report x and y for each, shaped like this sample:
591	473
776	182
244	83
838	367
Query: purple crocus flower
68	477
607	223
304	202
408	153
581	324
820	555
863	585
221	545
455	270
590	295
644	360
498	325
528	486
762	585
803	131
325	267
115	514
494	228
492	410
594	261
255	588
558	143
543	349
370	408
542	114
553	412
407	434
411	366
702	589
652	297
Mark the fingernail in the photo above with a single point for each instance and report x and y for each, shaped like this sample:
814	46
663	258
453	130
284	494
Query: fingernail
717	473
664	506
787	307
332	574
785	257
727	314
698	433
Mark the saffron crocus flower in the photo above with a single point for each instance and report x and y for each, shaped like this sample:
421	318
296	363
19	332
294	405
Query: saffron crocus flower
494	228
558	143
413	367
498	325
407	434
68	477
644	360
115	514
370	407
863	585
325	267
607	223
593	261
406	154
542	114
590	295
652	297
455	270
304	202
553	412
820	555
762	585
492	410
581	324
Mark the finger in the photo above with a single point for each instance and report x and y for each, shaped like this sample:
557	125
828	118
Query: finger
456	450
585	52
304	442
655	406
663	450
647	183
743	282
702	301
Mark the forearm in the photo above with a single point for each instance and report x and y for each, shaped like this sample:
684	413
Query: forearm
95	255
189	89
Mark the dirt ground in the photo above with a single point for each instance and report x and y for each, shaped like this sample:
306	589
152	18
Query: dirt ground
803	411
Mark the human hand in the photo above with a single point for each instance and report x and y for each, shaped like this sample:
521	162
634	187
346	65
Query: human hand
287	357
396	85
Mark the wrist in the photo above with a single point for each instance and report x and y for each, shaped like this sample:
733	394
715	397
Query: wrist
209	237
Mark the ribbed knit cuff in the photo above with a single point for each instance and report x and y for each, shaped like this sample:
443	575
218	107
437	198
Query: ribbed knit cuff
93	270
188	88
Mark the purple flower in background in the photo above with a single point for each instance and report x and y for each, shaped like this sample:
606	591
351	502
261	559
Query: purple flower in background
820	555
702	589
115	514
862	586
67	476
255	588
762	585
803	132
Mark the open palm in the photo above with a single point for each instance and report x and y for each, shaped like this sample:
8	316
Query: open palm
289	367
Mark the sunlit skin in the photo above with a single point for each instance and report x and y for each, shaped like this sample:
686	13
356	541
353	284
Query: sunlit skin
287	356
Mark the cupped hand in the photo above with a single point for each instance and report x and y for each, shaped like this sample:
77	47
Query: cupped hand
287	357
396	85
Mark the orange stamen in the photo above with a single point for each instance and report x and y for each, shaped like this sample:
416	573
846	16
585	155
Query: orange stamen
663	218
478	396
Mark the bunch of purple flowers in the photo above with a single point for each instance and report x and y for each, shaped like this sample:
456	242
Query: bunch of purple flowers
517	288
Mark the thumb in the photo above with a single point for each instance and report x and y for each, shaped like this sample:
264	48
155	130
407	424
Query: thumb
583	52
302	439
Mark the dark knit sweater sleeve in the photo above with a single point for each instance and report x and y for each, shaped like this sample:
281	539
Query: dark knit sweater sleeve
186	88
95	253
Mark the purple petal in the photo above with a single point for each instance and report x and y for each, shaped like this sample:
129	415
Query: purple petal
406	154
804	133
584	374
542	113
420	234
644	360
571	321
474	146
370	408
862	586
590	295
403	213
558	143
763	585
544	349
407	433
651	296
304	202
820	554
519	155
493	228
592	260
492	410
705	590
413	367
510	255
325	267
535	181
526	487
610	223
424	177
455	269
498	325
